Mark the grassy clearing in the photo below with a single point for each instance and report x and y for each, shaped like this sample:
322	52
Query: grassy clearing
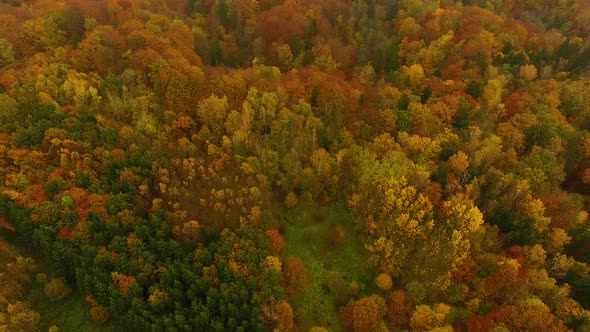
70	314
306	239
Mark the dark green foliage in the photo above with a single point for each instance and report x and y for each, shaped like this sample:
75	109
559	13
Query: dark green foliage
326	139
403	102
112	84
579	247
441	173
517	228
580	283
315	92
53	187
119	202
539	135
71	21
474	89
463	116
19	218
30	136
216	57
425	95
404	121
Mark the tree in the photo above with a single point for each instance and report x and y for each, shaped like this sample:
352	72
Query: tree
278	314
414	75
427	318
384	281
367	313
399	310
212	112
528	72
571	311
6	53
459	162
72	23
191	230
294	275
57	289
276	240
8	111
403	216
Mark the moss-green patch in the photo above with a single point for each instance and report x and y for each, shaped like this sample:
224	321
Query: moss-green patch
305	237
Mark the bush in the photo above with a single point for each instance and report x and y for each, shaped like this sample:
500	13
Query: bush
339	287
335	235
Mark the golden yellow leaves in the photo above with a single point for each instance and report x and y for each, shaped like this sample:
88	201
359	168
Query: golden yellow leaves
414	74
459	162
571	311
402	216
528	72
427	318
462	216
384	281
78	90
273	263
416	144
191	229
556	238
158	296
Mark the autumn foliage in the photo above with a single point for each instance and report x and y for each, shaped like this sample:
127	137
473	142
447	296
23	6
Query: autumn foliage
296	165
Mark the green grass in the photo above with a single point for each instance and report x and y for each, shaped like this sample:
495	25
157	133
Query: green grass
305	239
69	314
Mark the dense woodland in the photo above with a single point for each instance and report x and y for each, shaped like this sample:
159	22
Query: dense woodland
294	165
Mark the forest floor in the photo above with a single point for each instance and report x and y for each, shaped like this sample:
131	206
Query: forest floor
306	238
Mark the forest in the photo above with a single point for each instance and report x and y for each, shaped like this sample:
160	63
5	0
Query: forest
294	165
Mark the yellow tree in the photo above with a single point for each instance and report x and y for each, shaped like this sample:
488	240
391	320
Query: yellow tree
528	72
448	244
212	112
404	238
403	219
